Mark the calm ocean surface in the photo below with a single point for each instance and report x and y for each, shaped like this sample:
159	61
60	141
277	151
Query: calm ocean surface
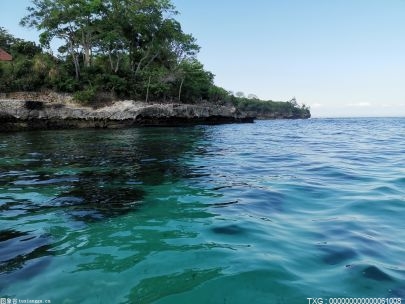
271	212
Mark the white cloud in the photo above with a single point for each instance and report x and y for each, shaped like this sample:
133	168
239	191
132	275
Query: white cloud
359	104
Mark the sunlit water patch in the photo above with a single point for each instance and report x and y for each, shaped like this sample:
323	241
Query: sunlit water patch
271	212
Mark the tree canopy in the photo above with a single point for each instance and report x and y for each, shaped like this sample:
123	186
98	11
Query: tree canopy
115	48
129	44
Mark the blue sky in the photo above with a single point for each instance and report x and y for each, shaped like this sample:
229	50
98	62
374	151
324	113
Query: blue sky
341	57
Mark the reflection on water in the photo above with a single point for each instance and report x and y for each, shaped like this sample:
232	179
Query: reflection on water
273	212
19	247
83	176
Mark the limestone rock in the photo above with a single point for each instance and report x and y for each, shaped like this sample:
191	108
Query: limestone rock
19	114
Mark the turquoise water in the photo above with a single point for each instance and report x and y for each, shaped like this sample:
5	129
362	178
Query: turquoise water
271	212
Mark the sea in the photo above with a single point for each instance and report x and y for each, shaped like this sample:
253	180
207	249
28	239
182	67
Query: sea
278	211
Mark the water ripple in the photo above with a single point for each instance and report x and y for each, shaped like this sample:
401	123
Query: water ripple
272	212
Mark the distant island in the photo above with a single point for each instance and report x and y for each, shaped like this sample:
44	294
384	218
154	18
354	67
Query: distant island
112	51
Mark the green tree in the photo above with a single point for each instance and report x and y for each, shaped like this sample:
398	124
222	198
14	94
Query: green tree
141	31
240	94
194	82
6	39
72	21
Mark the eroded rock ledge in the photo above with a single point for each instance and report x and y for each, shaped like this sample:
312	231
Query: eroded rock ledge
33	115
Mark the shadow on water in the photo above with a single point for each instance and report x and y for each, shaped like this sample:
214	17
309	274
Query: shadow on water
85	174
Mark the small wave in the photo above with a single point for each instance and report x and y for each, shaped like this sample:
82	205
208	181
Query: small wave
375	273
33	182
229	230
338	255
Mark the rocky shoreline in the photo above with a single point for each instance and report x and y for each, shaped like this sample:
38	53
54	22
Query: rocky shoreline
43	114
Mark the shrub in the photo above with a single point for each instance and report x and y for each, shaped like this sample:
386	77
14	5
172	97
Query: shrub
85	96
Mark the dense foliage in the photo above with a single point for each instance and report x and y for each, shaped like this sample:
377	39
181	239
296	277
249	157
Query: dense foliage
273	109
113	49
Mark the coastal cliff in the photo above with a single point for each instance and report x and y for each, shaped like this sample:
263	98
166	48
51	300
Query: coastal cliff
20	114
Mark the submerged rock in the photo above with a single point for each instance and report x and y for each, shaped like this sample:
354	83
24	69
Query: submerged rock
33	114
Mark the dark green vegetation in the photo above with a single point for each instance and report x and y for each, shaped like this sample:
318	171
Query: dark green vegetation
117	49
272	109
